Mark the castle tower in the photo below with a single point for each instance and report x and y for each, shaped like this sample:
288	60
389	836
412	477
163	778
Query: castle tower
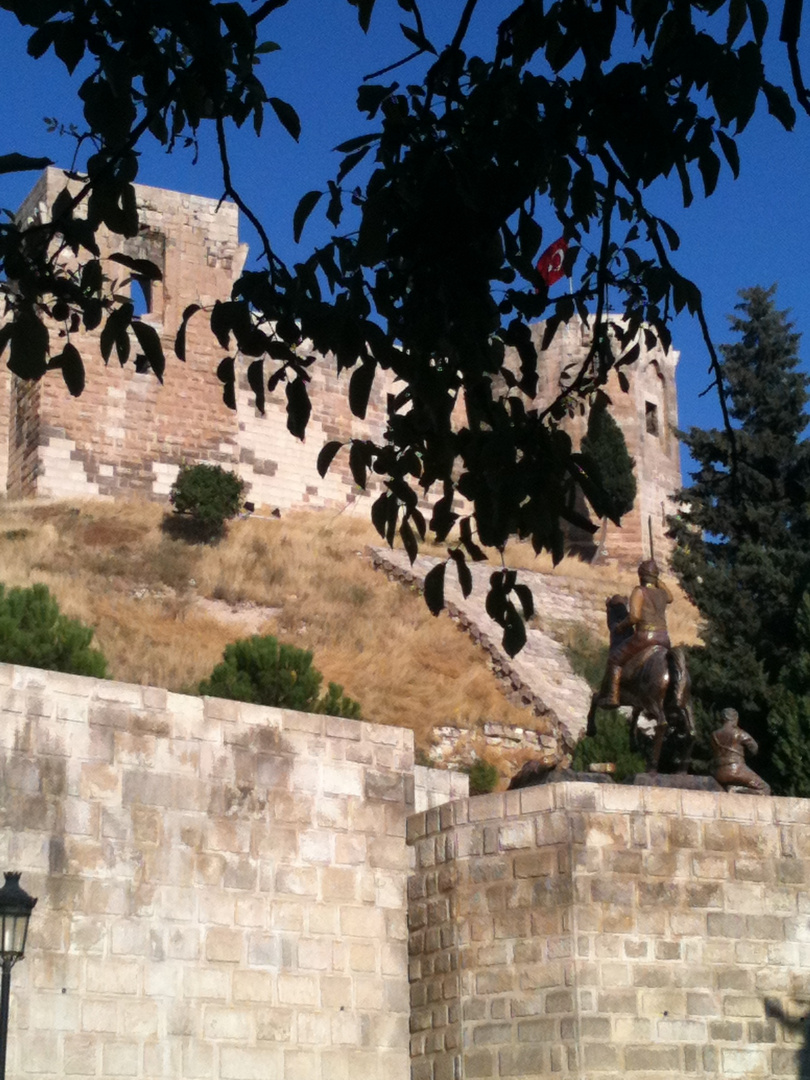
647	413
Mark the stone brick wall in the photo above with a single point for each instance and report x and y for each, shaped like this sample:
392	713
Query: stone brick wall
127	434
222	895
221	886
593	931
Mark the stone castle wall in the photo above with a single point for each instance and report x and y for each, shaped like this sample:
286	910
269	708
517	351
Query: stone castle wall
597	931
127	434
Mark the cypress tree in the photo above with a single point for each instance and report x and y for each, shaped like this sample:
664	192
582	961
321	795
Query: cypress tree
610	460
743	532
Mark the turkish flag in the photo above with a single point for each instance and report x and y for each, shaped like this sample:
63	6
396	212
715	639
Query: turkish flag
550	263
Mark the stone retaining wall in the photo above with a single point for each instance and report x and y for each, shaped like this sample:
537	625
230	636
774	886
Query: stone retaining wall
597	931
222	887
223	892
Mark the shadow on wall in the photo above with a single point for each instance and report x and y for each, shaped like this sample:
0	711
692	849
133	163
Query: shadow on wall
797	1024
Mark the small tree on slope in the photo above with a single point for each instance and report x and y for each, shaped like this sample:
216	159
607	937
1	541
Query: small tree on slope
34	632
743	534
262	671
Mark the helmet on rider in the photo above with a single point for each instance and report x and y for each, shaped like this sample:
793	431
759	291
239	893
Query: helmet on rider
648	571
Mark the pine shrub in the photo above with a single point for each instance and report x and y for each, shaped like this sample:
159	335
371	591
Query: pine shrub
610	743
209	495
263	671
483	777
34	632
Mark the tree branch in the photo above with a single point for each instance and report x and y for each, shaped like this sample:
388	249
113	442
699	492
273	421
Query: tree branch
464	24
604	259
266	8
391	67
663	258
273	262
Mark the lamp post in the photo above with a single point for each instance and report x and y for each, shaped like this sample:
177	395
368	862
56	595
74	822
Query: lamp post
15	911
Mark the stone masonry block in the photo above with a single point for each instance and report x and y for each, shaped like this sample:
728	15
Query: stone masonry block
246	1063
224	945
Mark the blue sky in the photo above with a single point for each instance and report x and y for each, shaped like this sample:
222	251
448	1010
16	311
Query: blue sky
753	231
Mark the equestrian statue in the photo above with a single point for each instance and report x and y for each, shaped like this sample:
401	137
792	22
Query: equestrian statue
645	672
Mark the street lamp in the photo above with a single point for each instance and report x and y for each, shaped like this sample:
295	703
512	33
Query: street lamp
15	911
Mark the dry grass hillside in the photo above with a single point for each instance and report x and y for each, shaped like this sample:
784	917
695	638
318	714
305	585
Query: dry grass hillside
163	610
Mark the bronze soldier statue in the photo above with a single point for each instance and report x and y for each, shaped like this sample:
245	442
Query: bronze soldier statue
729	744
645	625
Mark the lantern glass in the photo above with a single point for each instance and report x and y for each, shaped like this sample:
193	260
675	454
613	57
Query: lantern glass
14	933
15	911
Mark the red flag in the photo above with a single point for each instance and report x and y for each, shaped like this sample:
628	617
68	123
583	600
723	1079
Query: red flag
550	263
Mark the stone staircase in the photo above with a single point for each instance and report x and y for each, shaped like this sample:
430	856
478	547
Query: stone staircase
540	676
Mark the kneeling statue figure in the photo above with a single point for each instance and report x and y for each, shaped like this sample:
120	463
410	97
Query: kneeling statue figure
729	744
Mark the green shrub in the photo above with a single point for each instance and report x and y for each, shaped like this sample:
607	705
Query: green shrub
483	777
34	632
610	743
262	671
586	654
209	494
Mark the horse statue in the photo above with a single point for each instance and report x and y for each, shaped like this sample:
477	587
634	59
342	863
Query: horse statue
656	684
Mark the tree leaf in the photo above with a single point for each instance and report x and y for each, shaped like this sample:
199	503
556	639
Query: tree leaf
415	38
779	105
350	162
737	16
514	632
226	373
364	10
408	540
673	239
360	386
305	207
463	571
10	163
355	144
327	456
730	151
299	407
255	378
524	594
149	341
69	362
359	460
29	345
114	333
144	268
472	549
709	165
434	588
287	116
180	340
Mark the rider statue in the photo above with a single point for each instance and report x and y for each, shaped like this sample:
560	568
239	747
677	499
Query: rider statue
645	625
